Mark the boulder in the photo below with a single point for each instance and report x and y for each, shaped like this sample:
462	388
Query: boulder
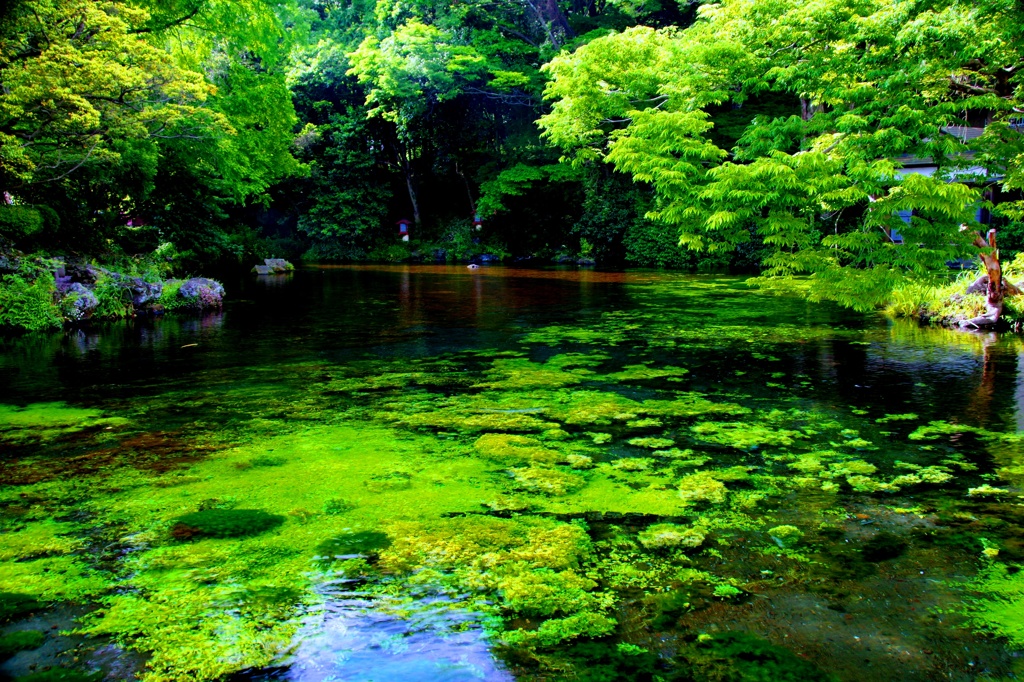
144	292
78	302
263	270
202	293
278	264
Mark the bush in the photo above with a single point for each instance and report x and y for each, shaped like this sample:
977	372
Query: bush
27	301
224	523
17	222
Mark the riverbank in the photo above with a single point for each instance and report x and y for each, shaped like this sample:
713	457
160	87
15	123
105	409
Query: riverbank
951	304
40	292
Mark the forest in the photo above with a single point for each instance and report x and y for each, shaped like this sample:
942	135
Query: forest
765	137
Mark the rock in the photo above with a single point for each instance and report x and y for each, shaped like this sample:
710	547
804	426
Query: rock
144	292
78	302
472	266
279	264
978	286
203	293
263	270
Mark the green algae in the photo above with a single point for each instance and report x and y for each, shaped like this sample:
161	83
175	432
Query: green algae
388	473
47	421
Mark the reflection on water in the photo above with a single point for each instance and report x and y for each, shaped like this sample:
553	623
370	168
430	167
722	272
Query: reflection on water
356	637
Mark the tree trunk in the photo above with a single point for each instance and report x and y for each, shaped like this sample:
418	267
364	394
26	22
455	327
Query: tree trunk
407	169
469	191
996	290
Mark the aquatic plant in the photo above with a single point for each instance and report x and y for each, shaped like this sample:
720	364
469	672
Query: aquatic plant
702	486
547	481
786	536
515	450
744	435
670	535
651	443
742	656
19	640
224	523
362	542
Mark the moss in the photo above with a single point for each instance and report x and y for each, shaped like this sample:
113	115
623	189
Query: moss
744	436
20	640
224	523
786	536
515	450
702	487
670	535
651	443
547	481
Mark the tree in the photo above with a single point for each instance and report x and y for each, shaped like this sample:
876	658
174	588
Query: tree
821	187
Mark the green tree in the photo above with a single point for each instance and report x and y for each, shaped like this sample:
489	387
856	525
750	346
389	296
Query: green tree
876	80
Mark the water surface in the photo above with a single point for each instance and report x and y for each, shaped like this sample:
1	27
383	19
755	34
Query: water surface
426	472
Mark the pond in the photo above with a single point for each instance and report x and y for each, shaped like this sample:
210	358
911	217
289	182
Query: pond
433	473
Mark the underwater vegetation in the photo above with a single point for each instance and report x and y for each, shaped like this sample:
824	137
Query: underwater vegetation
613	499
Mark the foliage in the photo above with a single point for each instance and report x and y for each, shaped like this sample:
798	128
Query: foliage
28	301
819	191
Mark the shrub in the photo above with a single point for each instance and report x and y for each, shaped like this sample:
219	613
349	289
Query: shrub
224	523
17	222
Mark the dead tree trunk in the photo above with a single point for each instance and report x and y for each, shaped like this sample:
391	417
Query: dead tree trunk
996	288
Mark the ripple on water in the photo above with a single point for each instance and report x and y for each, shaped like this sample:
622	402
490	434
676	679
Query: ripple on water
358	636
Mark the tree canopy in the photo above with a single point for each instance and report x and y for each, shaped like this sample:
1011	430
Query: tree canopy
777	136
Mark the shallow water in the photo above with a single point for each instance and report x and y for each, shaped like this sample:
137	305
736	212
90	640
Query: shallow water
502	473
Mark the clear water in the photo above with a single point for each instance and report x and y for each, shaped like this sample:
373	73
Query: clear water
469	469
